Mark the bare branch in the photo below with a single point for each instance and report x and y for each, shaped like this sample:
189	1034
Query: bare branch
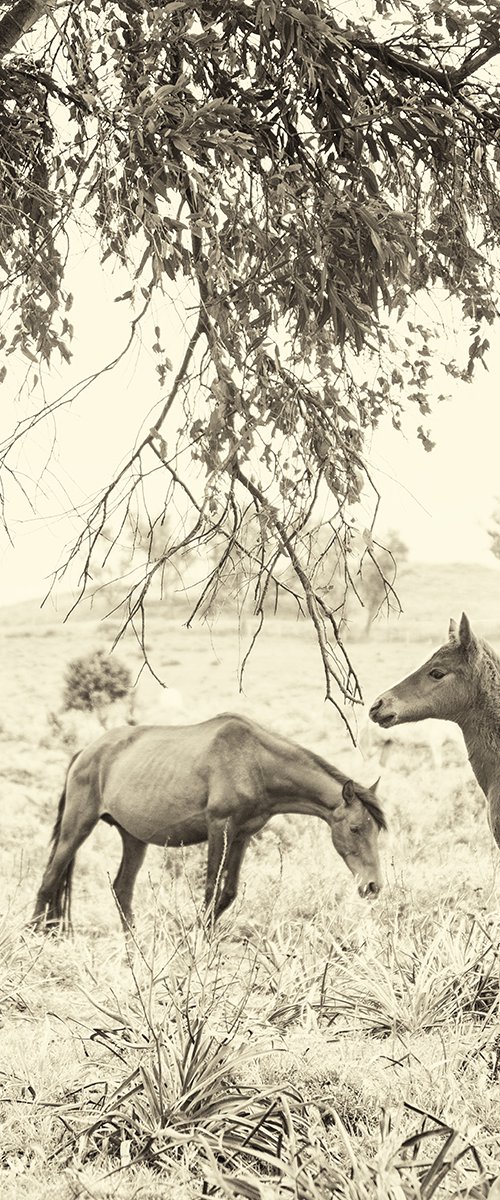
334	669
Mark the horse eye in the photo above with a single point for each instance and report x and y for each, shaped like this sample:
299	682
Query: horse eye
436	673
355	828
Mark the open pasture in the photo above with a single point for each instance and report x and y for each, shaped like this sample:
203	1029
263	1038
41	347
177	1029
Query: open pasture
295	1050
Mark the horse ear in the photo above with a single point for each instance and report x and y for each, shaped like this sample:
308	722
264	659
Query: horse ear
375	785
453	631
467	639
348	792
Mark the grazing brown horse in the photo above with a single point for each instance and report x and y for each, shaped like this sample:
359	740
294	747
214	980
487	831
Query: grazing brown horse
460	682
220	782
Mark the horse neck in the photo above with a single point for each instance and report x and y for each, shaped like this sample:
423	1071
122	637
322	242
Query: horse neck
483	749
482	739
480	725
301	785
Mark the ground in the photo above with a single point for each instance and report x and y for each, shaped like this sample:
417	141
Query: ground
314	1044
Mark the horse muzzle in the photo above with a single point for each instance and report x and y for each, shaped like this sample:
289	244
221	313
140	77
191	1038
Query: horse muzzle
381	715
369	890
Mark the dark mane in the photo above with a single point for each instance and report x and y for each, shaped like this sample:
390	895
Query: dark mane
372	806
366	795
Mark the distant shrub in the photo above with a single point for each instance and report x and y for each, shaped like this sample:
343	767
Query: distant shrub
95	681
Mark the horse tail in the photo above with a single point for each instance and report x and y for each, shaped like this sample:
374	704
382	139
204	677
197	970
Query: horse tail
62	897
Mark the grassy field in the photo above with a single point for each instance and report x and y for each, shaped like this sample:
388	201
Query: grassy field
313	1045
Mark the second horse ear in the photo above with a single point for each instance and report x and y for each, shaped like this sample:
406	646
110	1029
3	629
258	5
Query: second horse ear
348	791
462	635
466	636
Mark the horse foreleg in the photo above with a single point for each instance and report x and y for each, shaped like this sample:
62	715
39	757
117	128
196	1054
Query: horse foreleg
226	847
234	859
220	840
132	860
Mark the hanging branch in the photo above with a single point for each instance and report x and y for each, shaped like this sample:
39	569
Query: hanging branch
307	181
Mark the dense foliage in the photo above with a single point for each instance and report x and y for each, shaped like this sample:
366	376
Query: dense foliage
94	681
301	173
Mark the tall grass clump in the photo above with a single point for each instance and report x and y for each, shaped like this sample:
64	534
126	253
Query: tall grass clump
15	966
170	1086
174	1057
427	978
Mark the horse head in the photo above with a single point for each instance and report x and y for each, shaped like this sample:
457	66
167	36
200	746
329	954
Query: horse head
443	687
355	827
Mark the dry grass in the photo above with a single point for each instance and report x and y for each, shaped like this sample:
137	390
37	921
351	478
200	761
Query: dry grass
313	1045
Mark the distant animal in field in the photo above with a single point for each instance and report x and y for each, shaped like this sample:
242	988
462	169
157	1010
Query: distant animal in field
149	703
434	743
217	782
460	682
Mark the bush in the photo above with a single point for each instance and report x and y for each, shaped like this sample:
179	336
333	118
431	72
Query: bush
95	681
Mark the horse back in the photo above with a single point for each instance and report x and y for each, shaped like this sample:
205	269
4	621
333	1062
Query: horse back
158	782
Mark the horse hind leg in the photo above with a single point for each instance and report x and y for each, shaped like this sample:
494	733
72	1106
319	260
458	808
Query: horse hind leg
123	887
52	906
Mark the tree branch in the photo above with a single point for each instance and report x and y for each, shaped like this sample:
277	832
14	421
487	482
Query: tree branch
449	81
473	64
19	20
318	611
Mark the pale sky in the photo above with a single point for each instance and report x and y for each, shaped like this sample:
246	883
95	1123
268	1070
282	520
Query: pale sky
440	502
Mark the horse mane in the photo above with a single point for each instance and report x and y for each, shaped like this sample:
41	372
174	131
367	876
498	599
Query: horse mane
366	795
372	806
489	669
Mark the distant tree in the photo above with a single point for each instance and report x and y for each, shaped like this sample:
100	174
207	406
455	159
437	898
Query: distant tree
303	178
94	682
120	560
377	575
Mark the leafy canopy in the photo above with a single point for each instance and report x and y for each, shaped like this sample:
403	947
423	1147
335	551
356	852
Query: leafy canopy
302	173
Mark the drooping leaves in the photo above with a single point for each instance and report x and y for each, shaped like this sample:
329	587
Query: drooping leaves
306	176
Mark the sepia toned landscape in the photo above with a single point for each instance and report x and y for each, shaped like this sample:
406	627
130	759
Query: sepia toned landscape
311	1045
249	431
